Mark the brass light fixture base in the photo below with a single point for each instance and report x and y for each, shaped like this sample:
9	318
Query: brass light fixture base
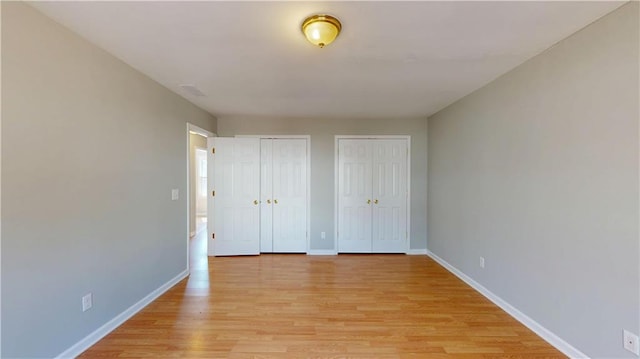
321	29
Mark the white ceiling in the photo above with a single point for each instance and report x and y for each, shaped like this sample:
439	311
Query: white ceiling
393	59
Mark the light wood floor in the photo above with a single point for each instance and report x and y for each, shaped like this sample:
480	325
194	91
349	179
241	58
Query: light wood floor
298	306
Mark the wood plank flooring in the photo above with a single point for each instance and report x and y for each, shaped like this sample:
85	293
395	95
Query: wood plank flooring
298	306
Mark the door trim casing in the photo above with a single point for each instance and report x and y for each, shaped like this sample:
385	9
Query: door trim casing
337	138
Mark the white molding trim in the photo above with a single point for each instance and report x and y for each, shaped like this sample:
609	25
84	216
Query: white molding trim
408	139
0	183
322	252
336	179
199	130
275	137
551	338
373	137
118	320
417	252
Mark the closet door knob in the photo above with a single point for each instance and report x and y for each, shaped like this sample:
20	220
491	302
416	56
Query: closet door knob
255	201
376	201
368	201
268	201
275	201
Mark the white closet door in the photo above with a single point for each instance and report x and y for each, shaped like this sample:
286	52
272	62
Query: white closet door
354	196
289	195
266	195
389	211
236	180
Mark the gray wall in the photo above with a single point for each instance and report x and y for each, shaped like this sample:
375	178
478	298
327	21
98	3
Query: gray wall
90	152
538	173
322	132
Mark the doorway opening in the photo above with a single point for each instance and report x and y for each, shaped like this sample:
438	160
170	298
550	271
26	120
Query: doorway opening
197	207
201	189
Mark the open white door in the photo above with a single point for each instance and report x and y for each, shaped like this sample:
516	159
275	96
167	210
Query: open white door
234	223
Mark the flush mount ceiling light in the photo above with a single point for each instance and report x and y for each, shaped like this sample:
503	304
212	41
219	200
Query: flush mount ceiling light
321	30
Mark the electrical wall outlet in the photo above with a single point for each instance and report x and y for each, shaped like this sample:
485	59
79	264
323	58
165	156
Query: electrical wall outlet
631	342
323	235
175	194
481	262
87	302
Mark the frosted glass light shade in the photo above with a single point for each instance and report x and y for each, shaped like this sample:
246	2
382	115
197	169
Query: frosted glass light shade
321	30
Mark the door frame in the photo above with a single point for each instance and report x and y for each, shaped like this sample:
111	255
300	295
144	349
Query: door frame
337	138
308	184
200	131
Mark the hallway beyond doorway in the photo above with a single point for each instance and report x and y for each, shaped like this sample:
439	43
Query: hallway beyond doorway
198	260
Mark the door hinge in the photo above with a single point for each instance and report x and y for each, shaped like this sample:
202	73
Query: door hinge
213	193
213	150
213	236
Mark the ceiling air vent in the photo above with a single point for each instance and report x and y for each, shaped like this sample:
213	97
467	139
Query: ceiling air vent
192	90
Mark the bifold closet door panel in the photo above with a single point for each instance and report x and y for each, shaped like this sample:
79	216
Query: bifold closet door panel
354	196
236	180
266	195
289	201
389	192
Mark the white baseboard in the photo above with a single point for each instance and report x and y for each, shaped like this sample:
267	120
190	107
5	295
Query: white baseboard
543	332
108	327
417	252
321	252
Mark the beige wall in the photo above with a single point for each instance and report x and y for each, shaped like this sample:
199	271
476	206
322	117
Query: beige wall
538	173
323	132
86	207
